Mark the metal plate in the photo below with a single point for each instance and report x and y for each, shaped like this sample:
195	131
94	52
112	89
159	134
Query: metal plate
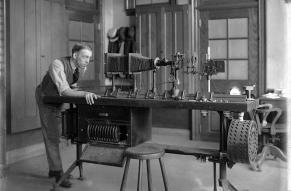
104	154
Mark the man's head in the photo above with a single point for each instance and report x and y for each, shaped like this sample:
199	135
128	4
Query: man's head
81	54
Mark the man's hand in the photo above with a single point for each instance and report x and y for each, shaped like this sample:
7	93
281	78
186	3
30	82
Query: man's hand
90	97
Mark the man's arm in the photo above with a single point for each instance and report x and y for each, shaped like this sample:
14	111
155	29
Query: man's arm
58	76
89	96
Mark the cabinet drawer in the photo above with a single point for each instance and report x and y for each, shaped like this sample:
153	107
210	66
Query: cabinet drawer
104	112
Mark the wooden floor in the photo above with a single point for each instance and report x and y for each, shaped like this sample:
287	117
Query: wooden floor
185	173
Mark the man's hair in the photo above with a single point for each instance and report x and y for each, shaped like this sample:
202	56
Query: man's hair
77	47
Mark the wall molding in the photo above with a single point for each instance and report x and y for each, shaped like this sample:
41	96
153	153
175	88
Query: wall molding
30	151
17	155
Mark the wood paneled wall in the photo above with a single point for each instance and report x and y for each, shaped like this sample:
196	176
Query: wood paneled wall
37	35
2	94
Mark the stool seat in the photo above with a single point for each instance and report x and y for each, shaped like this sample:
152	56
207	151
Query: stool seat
145	151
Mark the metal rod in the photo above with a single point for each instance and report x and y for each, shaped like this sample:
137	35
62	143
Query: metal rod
208	83
222	148
154	82
113	82
134	83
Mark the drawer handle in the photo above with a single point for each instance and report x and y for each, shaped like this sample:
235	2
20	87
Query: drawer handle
103	114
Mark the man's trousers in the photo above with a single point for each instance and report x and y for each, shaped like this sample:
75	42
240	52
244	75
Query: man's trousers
50	118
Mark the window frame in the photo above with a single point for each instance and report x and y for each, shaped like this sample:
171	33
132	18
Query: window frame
227	38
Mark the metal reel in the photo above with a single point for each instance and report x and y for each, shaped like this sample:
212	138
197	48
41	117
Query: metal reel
242	141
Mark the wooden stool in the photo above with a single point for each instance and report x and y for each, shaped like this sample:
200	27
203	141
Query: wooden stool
145	151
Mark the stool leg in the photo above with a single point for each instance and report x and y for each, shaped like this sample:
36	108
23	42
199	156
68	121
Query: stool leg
124	178
164	174
139	182
150	185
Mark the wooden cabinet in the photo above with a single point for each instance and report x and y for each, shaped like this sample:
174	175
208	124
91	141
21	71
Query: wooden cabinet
37	35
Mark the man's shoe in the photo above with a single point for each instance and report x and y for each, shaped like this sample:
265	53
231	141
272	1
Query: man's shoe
57	175
66	183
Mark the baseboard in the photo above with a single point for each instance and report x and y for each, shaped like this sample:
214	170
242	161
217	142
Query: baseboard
30	151
24	153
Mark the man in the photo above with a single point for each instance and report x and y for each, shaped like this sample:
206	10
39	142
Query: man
61	75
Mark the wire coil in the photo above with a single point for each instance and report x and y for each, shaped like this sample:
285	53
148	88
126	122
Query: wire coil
105	132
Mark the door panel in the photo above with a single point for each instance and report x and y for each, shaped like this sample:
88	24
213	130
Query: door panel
145	46
52	40
33	44
59	31
30	79
23	65
232	35
163	31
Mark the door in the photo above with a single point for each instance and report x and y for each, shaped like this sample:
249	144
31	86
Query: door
229	35
37	35
23	51
163	31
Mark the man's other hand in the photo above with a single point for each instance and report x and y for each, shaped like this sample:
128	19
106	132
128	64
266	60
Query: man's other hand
90	97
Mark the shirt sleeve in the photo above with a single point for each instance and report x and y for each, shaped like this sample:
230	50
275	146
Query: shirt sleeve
57	73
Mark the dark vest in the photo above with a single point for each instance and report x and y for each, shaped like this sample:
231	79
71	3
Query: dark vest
47	85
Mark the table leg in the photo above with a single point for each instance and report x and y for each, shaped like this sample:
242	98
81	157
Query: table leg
79	163
214	177
223	182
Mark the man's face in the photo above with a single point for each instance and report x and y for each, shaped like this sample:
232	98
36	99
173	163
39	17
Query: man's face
83	58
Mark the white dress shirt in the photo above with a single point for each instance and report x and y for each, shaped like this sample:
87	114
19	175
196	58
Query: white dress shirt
57	73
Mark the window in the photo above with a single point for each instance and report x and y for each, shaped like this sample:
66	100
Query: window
228	41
